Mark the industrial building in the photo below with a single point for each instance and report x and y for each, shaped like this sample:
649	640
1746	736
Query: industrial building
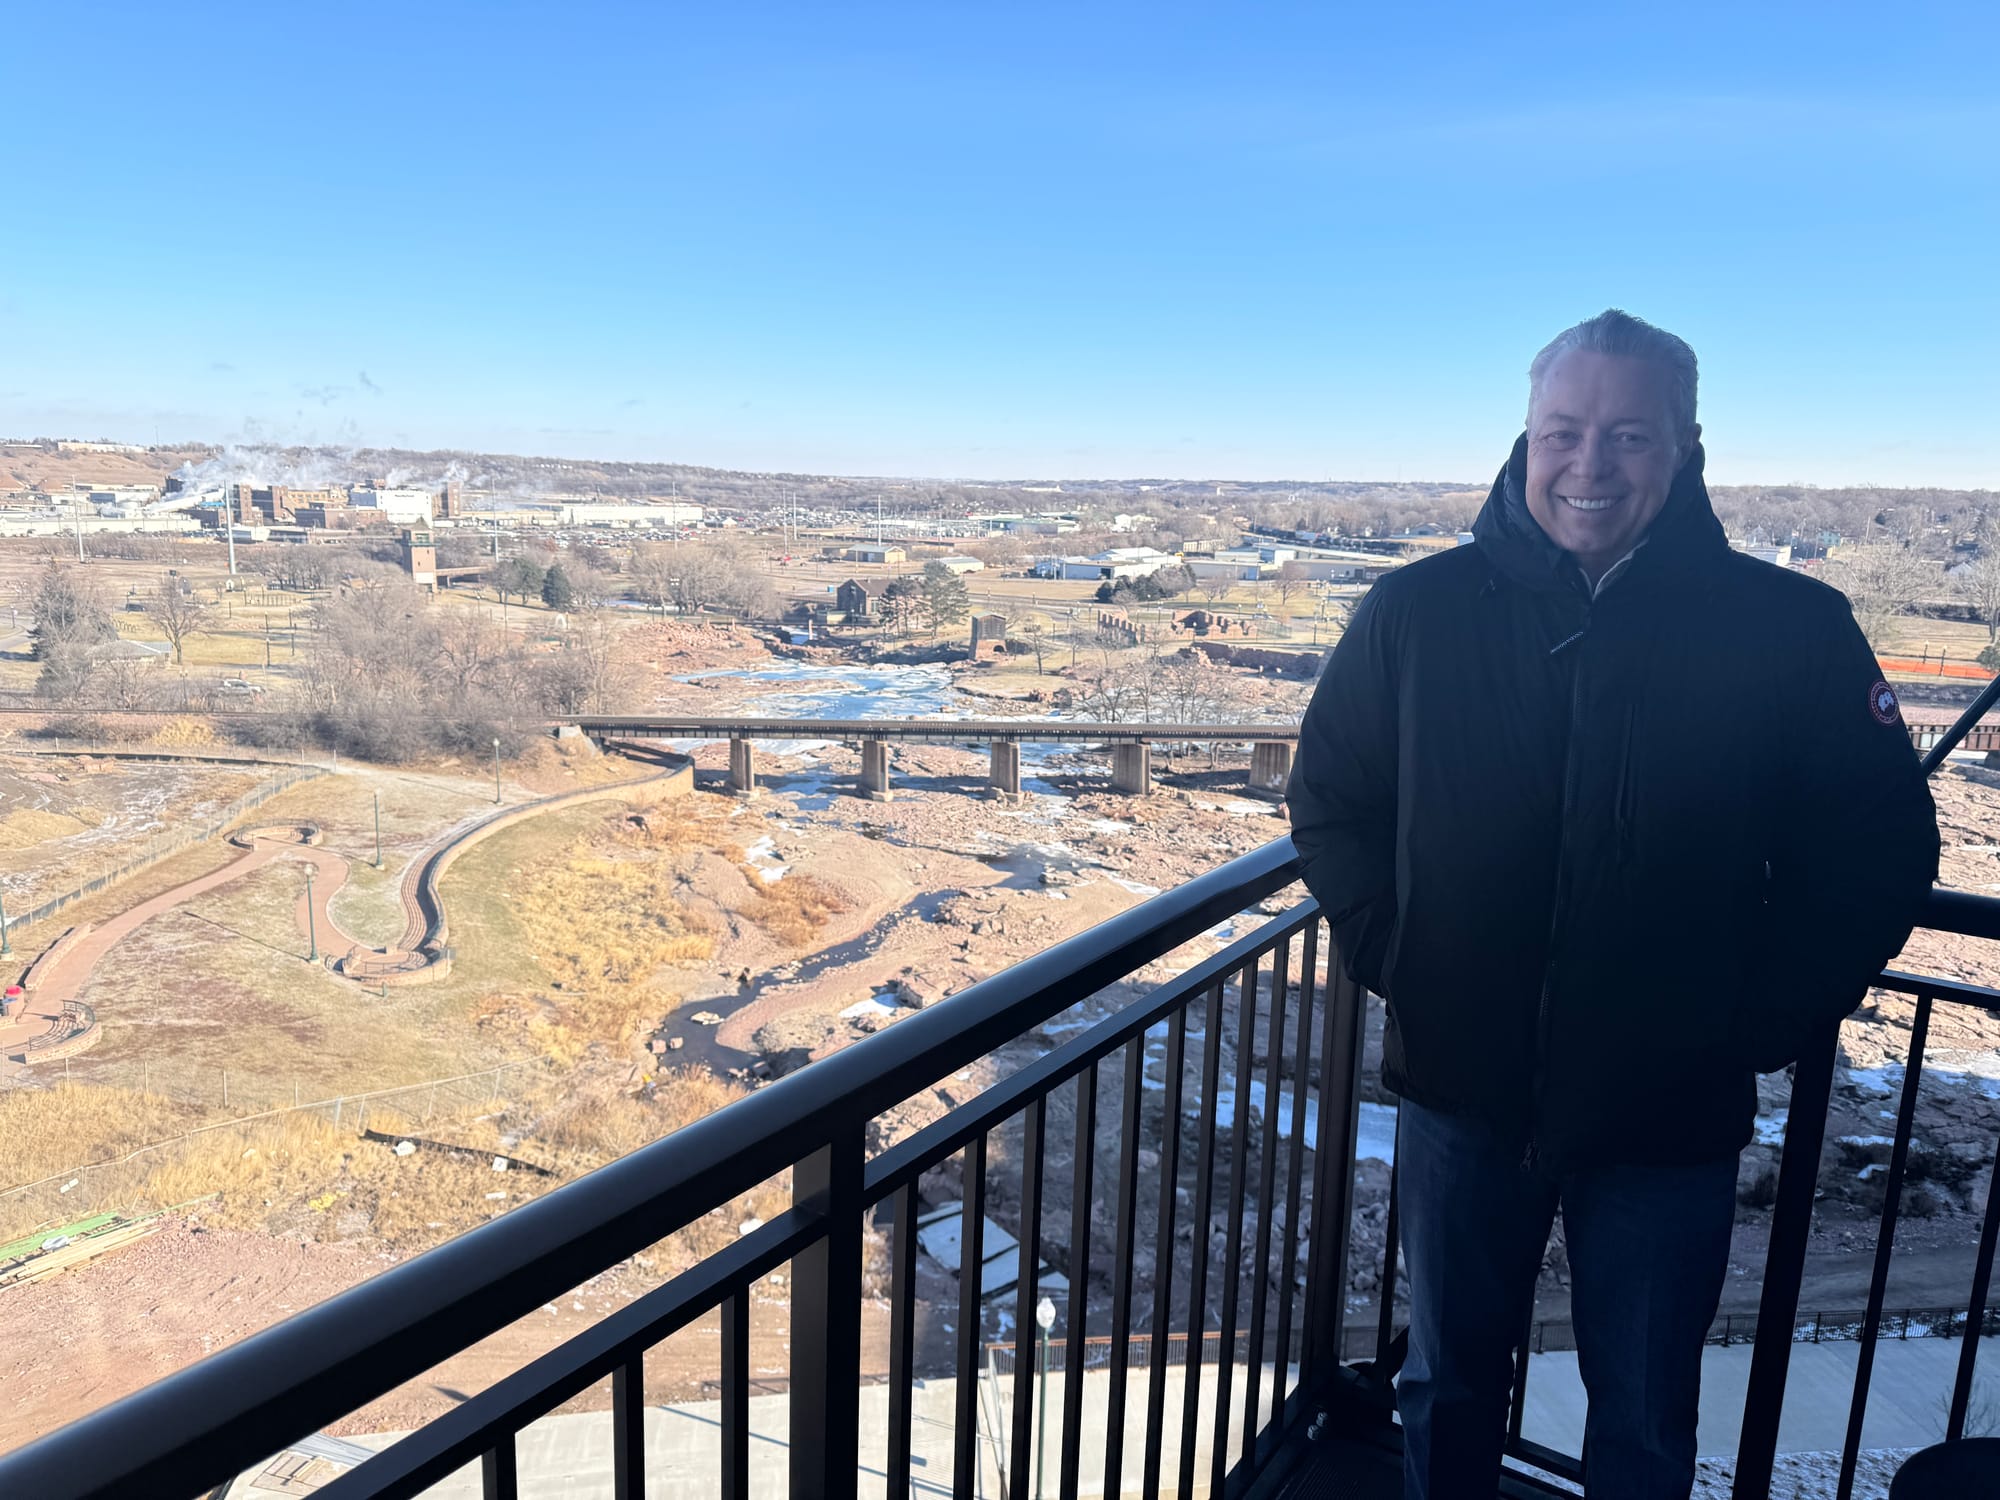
1114	562
875	552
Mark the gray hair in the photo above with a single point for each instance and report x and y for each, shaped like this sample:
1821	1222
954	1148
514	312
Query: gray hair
1616	332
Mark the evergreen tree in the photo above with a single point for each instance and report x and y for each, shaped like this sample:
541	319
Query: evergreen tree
945	592
557	592
69	613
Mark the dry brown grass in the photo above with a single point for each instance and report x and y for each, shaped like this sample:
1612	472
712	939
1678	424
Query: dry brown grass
29	827
185	733
299	1174
661	822
50	1130
597	920
602	929
794	908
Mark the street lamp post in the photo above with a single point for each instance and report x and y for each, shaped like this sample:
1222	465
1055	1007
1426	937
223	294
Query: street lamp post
1045	1319
496	771
6	942
378	830
312	926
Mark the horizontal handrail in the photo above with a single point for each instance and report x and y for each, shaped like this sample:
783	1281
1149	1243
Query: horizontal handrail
232	1409
908	1160
446	1444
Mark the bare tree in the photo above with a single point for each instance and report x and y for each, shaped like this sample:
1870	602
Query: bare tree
180	616
1291	578
1979	586
1881	581
1036	634
653	573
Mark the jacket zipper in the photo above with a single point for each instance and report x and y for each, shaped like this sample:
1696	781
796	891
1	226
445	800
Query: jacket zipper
1532	1154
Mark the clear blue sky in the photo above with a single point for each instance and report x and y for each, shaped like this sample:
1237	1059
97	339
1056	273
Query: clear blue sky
1001	240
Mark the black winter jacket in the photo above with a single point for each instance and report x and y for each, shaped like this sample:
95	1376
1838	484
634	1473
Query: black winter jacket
1608	858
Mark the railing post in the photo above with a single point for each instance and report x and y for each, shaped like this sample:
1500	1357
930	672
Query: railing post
1333	1170
826	1323
1784	1267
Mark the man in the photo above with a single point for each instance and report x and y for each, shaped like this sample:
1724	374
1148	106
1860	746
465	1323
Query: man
1614	818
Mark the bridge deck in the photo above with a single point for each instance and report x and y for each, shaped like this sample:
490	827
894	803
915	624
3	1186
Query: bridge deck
926	731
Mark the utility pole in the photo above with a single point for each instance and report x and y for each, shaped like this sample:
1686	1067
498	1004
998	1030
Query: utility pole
378	830
496	770
79	528
229	531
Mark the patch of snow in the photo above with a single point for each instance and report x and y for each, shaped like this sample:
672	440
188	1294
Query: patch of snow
872	1006
1771	1127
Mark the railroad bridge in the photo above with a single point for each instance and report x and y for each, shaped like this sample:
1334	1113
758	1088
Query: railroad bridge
1131	744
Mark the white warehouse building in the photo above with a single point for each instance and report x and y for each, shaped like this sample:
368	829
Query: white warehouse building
1114	562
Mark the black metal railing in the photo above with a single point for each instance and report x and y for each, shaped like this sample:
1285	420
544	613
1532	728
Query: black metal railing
1777	1325
1172	1100
224	1415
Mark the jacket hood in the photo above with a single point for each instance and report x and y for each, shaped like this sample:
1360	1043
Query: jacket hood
1685	534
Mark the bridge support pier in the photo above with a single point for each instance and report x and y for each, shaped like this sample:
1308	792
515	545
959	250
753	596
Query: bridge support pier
1132	769
742	769
875	771
1004	773
1270	766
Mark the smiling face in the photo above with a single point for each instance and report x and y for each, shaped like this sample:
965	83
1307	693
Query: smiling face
1602	454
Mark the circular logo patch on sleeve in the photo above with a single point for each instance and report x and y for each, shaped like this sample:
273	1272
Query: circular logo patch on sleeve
1882	704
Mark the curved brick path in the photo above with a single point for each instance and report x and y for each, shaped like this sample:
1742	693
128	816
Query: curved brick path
66	976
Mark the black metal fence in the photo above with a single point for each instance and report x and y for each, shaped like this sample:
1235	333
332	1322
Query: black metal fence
1777	1326
1170	1098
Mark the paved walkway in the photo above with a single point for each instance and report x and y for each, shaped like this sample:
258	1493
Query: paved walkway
1909	1395
570	1455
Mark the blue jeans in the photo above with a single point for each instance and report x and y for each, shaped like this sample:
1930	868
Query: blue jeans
1648	1249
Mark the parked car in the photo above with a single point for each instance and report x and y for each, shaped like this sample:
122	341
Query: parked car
240	688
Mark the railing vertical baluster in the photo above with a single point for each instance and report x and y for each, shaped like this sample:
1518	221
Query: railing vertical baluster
1784	1269
1163	1264
1084	1158
735	1379
628	1427
1288	1248
1232	1257
1267	1184
826	1323
1385	1310
1975	1317
1342	1024
1020	1449
1885	1244
499	1478
971	1273
1204	1187
902	1336
1121	1262
1517	1400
